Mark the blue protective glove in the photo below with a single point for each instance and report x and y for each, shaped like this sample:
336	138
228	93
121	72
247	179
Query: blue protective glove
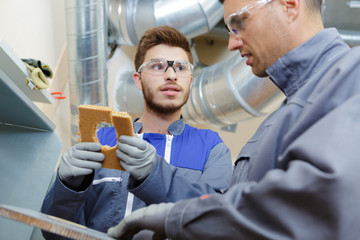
79	161
150	218
138	156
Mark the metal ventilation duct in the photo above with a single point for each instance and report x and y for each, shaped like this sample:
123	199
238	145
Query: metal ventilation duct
87	44
227	92
129	19
222	94
345	16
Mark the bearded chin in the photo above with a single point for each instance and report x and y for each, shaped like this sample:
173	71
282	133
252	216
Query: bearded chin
163	109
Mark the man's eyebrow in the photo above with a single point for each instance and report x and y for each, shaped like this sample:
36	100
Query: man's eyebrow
157	59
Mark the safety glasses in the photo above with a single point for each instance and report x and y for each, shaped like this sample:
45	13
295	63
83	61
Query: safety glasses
234	23
158	67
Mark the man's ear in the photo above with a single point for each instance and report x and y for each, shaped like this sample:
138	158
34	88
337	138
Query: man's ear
137	80
292	7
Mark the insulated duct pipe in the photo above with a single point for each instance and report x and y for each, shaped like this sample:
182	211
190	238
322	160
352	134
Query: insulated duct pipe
228	92
222	94
129	19
87	45
351	37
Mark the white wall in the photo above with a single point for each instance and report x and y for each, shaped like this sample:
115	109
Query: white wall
34	29
37	29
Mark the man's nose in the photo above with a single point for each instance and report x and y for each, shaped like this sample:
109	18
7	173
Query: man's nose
235	43
170	73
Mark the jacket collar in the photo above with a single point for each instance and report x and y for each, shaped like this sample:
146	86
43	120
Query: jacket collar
175	128
292	70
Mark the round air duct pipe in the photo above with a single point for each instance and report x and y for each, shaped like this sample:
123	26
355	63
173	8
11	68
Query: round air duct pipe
87	56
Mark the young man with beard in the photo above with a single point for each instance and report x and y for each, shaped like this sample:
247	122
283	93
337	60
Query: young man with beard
165	149
298	176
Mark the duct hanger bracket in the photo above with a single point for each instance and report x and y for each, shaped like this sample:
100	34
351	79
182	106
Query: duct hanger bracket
229	128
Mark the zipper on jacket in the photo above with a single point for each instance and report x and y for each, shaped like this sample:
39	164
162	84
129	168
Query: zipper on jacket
107	179
168	144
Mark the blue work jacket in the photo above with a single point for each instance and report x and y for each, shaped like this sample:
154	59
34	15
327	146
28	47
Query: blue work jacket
195	155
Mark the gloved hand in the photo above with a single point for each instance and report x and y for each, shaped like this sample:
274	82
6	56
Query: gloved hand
138	156
151	218
79	161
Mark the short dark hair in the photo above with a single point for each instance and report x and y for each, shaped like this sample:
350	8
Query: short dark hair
161	35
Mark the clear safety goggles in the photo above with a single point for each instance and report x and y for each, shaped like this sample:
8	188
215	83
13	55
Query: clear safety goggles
234	23
158	67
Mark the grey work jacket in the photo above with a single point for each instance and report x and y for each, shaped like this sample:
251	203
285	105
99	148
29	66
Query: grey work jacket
298	176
